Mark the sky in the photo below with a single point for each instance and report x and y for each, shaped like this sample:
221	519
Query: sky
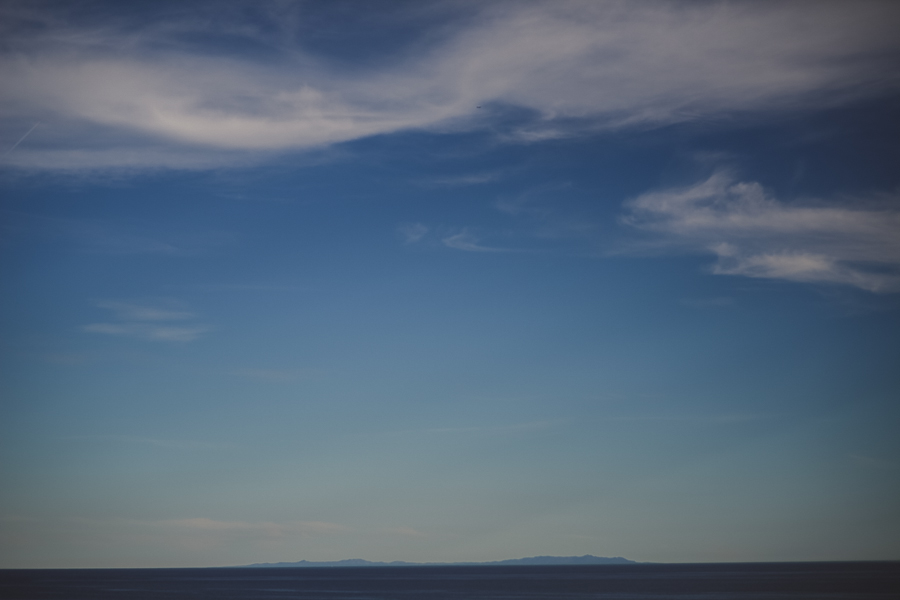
448	281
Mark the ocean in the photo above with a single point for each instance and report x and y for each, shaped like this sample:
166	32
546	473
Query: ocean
719	581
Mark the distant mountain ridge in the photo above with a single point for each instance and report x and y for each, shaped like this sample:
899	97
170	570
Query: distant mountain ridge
587	559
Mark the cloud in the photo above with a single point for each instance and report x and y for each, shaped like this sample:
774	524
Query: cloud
412	232
112	91
462	240
134	312
466	241
752	234
148	332
21	139
147	322
532	203
466	180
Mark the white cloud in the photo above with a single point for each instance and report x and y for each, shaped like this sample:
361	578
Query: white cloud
174	334
468	242
466	180
147	322
148	332
121	94
755	235
135	312
412	232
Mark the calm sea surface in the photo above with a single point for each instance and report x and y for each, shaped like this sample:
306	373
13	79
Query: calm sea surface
744	581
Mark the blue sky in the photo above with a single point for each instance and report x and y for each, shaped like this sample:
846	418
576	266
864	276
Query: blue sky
448	281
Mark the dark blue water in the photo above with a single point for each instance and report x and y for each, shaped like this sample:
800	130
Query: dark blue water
737	581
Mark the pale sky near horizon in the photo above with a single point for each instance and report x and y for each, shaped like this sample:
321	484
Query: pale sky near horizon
448	281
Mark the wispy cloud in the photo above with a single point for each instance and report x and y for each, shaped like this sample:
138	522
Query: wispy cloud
752	234
147	322
412	232
115	92
148	332
457	239
466	241
21	139
466	180
533	203
136	312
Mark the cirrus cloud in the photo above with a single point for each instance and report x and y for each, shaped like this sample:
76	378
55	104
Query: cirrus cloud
148	323
119	93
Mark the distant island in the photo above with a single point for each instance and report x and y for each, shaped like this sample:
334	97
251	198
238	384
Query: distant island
587	559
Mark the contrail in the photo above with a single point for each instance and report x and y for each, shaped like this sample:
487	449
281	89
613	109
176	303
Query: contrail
22	138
